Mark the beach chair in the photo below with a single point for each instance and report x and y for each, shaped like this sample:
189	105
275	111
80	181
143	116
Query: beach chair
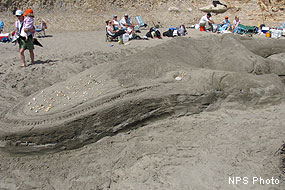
242	29
110	38
40	29
1	26
140	22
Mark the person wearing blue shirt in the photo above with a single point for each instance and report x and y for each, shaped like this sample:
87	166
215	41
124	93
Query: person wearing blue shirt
226	21
225	25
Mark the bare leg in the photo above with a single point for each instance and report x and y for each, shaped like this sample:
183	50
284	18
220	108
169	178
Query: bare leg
22	55
133	29
32	55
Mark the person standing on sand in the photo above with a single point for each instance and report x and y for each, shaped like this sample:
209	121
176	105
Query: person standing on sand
23	42
18	23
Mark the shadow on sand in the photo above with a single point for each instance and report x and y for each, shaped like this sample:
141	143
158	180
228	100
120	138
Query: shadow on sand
46	36
44	62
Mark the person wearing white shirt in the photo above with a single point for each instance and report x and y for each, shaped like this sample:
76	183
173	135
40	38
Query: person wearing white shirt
204	20
126	24
116	23
23	43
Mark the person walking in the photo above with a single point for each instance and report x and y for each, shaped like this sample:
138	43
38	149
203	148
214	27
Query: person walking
24	44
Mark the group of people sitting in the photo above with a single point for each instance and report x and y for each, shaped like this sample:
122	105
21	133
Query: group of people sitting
228	26
117	28
225	25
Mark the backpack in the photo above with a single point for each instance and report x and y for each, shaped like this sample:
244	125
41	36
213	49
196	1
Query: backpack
171	32
182	30
154	31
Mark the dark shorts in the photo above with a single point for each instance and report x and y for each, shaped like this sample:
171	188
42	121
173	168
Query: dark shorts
26	44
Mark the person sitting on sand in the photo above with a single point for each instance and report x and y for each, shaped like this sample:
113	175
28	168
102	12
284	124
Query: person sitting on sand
112	32
226	21
115	23
204	20
236	22
225	24
126	24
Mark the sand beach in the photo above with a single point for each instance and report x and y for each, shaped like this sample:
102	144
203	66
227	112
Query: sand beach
202	111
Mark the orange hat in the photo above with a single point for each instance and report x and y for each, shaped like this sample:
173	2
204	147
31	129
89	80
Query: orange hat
226	17
28	11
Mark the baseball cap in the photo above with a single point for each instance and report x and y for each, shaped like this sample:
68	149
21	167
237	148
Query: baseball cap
19	13
226	17
126	14
114	16
28	11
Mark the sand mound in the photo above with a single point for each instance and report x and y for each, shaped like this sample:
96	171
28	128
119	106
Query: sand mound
181	77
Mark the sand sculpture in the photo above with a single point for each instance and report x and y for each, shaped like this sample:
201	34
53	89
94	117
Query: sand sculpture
181	77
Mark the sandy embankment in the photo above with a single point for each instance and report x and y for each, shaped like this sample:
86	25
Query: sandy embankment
178	151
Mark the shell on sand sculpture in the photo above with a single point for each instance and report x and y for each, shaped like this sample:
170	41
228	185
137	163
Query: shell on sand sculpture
212	9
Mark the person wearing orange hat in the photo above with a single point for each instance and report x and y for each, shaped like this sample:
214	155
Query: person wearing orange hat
226	21
26	36
28	21
225	25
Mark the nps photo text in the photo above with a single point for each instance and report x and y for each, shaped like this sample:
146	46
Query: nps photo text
253	180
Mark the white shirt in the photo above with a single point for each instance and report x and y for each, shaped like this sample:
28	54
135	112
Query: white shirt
18	25
108	30
116	24
204	20
124	21
236	23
